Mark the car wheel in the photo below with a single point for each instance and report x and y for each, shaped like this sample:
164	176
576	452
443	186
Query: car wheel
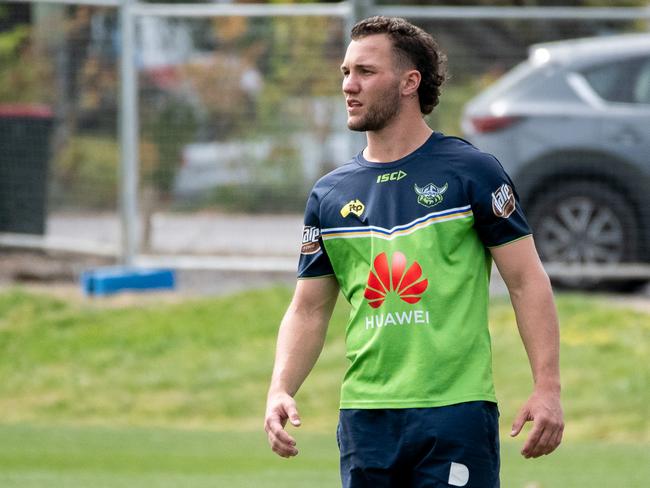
585	223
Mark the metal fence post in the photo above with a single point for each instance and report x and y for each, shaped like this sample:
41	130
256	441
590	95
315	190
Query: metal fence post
128	121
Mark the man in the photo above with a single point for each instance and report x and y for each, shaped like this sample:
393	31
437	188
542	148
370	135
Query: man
407	231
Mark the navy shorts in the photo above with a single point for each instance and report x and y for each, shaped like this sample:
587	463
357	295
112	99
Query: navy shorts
456	445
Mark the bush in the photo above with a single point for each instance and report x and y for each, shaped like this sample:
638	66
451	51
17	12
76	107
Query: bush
84	173
27	73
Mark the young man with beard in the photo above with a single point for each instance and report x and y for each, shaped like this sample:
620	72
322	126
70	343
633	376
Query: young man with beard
407	231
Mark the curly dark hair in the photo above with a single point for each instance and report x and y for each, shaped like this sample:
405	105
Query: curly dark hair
414	48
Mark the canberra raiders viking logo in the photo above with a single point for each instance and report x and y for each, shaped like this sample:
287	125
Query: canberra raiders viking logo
430	195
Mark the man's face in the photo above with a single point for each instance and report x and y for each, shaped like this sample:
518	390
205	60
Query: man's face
371	83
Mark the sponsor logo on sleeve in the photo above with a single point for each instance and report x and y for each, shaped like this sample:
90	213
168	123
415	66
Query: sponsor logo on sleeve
310	240
503	201
353	207
430	195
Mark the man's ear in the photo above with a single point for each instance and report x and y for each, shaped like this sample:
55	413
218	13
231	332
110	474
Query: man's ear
411	82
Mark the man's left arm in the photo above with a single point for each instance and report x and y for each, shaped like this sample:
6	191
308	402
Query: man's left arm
532	299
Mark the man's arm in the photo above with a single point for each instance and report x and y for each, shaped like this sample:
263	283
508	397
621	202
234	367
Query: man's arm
532	299
300	341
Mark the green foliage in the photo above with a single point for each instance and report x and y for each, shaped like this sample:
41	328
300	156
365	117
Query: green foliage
26	74
446	117
302	63
168	127
85	173
11	41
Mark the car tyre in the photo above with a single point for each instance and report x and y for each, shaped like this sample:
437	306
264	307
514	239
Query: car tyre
586	222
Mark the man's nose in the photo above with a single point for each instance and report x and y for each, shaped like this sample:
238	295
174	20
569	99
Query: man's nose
350	84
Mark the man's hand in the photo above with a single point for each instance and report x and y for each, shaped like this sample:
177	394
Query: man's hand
300	341
545	411
280	408
532	299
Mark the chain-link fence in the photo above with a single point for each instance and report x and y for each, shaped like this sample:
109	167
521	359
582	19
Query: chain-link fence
239	111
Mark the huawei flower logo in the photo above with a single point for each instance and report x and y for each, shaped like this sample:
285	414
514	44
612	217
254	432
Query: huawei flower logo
395	278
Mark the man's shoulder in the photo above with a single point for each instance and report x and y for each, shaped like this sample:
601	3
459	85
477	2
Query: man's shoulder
467	158
328	181
462	146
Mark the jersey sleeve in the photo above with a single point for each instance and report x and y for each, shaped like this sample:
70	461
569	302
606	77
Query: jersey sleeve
313	261
498	216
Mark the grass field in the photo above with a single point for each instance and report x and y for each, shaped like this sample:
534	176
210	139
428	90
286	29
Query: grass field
80	457
173	395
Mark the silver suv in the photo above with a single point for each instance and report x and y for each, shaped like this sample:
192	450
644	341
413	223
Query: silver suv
571	125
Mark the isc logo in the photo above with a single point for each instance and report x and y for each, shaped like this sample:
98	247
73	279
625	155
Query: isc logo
394	176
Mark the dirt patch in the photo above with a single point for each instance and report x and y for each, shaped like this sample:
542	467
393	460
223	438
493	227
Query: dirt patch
18	266
58	274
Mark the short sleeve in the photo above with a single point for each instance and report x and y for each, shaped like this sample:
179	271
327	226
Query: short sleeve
313	261
498	216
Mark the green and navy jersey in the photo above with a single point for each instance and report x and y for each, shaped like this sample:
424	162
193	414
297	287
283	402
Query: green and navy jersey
408	244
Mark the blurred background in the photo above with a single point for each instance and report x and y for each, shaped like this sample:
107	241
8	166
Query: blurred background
188	135
231	111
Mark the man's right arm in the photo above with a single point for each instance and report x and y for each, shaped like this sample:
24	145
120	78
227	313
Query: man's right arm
300	341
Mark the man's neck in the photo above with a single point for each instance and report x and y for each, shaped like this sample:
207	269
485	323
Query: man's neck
396	141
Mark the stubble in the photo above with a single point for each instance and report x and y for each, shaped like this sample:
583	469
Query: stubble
380	113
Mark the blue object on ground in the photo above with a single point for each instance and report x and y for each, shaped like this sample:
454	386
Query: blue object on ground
105	281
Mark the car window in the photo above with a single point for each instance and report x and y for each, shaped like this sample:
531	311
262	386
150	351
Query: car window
625	81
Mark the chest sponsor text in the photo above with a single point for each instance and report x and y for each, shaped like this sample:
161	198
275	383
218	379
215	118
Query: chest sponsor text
412	317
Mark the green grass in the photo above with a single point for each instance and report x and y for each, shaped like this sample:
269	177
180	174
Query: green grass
172	394
604	364
78	457
200	363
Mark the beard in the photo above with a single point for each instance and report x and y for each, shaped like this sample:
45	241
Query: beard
379	114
